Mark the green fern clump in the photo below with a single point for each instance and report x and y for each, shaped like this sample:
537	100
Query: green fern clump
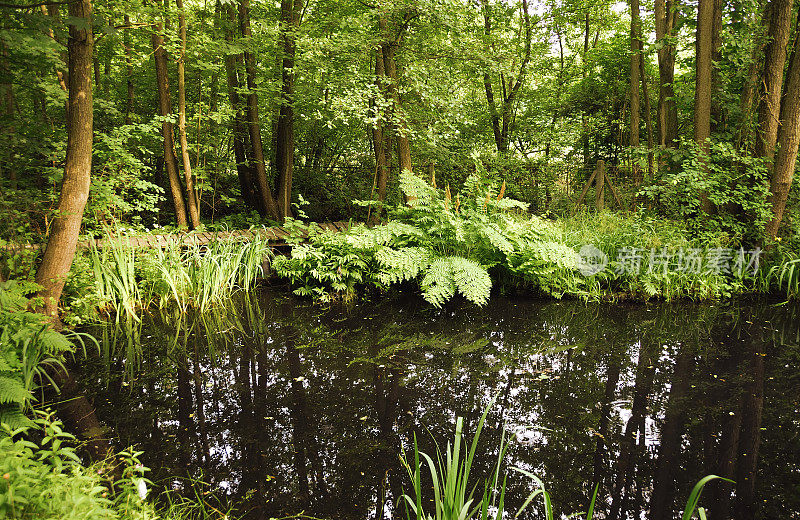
445	243
27	346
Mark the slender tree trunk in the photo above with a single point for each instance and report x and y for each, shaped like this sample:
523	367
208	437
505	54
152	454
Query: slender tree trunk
788	140
399	125
194	208
284	149
648	117
128	46
502	119
379	137
52	12
750	86
244	169
253	120
774	61
635	70
702	95
66	224
165	111
667	108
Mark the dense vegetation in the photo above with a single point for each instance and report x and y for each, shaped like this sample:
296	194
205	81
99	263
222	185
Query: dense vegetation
482	145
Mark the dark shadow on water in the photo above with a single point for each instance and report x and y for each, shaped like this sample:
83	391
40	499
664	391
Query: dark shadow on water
281	406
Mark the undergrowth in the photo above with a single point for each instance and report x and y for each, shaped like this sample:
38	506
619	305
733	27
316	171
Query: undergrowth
478	239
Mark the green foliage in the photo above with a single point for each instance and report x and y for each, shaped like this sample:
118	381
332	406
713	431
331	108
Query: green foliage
27	347
454	494
736	184
447	244
41	476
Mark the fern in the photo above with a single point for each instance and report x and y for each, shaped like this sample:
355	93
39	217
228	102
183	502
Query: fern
471	280
400	265
438	285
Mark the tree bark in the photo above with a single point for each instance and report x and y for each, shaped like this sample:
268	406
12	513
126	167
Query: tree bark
244	168
167	133
774	62
66	224
253	120
379	144
750	86
788	140
702	94
192	202
667	110
635	69
130	93
284	149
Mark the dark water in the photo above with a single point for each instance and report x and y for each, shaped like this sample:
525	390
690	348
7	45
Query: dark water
283	407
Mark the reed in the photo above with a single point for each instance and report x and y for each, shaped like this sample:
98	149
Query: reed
454	499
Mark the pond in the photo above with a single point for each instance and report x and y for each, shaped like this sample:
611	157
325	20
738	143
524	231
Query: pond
281	407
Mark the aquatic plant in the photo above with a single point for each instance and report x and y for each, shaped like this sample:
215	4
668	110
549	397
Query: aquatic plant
454	494
784	276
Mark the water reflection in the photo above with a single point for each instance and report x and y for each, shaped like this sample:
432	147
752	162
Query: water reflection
284	407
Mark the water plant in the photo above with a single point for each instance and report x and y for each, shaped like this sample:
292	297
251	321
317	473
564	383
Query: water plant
454	493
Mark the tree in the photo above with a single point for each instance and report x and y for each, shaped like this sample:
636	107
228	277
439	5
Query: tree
501	119
194	208
66	224
774	62
788	140
291	11
167	132
253	119
704	45
665	13
635	70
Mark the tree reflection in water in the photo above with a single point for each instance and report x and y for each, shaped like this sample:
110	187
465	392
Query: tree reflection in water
282	407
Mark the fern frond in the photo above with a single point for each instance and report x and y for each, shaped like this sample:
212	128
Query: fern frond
471	279
400	265
438	285
13	391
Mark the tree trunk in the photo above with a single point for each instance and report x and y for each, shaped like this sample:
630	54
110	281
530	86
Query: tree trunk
774	61
702	95
379	137
253	120
788	140
635	69
66	224
750	86
165	110
389	47
667	108
128	71
244	169
194	208
284	149
502	119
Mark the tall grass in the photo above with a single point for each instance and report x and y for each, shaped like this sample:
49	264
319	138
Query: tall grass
784	276
177	279
454	494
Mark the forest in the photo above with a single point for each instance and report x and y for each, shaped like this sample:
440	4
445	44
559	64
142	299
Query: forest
178	170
